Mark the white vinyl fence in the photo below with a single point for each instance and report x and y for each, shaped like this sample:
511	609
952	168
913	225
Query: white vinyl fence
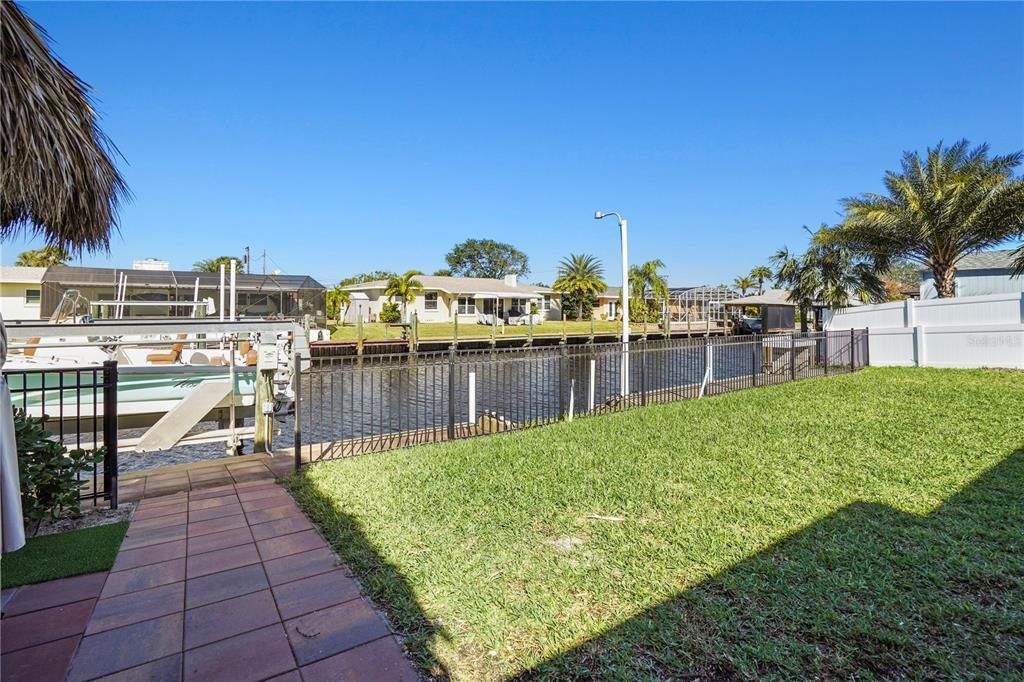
973	331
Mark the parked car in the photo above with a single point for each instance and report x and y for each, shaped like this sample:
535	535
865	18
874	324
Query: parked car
749	325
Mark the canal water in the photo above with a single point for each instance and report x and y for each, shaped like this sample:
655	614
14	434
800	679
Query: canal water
343	399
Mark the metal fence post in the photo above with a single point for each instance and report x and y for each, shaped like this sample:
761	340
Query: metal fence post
451	393
867	346
792	357
825	344
853	355
643	371
563	361
297	384
110	431
753	362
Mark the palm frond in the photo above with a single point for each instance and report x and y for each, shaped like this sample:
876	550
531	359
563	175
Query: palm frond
58	179
952	201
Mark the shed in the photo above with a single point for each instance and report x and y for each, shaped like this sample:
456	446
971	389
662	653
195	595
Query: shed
777	312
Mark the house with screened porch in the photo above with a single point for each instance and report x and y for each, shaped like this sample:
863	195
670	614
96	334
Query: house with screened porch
470	299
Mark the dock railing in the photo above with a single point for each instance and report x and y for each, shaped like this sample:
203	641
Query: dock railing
359	404
80	404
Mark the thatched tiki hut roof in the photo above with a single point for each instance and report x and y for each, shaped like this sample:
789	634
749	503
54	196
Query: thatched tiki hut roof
57	179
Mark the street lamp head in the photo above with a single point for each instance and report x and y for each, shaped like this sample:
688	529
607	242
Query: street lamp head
598	215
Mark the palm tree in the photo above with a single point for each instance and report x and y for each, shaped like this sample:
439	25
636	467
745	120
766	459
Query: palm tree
954	202
44	257
580	276
58	179
744	283
213	264
826	274
405	288
337	300
1018	262
761	273
645	282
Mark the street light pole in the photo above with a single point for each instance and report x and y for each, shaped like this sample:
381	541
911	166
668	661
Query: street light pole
624	238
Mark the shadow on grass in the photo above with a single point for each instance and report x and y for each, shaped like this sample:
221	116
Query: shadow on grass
867	591
381	580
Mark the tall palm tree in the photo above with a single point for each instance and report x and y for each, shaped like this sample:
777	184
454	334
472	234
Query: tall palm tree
1018	262
828	273
761	273
645	282
44	257
954	202
337	300
743	283
405	288
580	276
58	180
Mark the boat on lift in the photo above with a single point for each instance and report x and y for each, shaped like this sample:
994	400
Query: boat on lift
163	364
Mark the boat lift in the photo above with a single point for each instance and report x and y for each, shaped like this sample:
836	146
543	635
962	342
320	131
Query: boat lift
170	422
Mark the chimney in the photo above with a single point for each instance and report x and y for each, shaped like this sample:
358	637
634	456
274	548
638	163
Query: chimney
510	280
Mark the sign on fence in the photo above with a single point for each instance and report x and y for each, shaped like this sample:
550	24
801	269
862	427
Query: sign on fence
972	331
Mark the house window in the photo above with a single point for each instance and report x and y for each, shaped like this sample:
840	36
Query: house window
465	305
545	305
430	300
32	296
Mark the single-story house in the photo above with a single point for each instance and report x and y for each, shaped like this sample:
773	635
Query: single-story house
693	303
978	274
609	304
471	299
21	291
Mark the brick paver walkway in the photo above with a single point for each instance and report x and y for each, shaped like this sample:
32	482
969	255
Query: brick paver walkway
225	583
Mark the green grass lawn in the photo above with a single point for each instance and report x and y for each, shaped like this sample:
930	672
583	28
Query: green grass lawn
446	330
863	526
62	555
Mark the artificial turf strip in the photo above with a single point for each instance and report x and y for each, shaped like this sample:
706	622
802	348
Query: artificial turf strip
63	555
863	526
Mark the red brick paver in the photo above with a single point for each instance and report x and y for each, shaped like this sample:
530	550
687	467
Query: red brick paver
226	582
43	624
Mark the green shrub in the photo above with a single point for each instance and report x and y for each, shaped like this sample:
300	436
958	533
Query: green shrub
389	313
47	469
644	311
571	303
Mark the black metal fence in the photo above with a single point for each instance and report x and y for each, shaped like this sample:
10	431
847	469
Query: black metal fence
352	405
81	409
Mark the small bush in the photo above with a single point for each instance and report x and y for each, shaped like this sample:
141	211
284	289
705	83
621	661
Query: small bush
644	311
571	303
47	470
389	313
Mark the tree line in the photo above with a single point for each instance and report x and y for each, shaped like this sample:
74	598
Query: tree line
938	208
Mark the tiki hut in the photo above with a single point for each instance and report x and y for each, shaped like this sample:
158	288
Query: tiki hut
58	179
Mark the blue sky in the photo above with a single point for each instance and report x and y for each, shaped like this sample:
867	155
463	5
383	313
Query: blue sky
351	137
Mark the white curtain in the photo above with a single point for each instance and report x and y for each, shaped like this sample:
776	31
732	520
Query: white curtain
10	487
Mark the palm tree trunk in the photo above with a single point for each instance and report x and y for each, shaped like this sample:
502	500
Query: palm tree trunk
945	279
803	319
